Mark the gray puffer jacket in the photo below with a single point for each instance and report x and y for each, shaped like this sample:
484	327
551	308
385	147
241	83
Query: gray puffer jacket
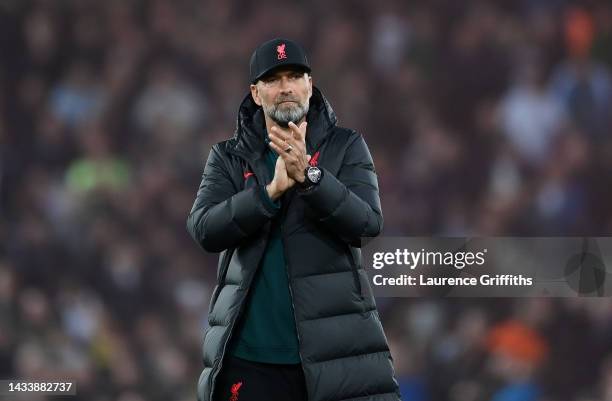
343	348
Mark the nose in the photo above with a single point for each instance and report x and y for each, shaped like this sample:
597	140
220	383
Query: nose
285	86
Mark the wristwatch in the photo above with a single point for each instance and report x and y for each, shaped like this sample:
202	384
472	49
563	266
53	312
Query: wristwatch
312	176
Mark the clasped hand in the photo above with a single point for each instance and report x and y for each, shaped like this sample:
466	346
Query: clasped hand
291	164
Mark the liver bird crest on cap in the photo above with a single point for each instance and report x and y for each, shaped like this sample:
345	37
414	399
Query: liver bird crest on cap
280	49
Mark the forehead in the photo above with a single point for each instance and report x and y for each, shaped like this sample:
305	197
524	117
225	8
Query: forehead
284	70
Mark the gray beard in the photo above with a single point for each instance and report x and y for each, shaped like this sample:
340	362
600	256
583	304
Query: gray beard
283	116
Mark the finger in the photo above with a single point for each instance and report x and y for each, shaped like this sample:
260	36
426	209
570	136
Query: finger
287	156
298	132
279	133
295	131
298	148
285	140
294	157
303	127
290	160
278	149
281	167
280	161
279	141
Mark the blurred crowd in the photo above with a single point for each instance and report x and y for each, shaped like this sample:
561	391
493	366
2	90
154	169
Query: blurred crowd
483	118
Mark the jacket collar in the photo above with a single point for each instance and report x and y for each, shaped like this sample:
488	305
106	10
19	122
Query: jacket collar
250	133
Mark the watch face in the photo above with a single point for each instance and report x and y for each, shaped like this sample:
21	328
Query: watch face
314	174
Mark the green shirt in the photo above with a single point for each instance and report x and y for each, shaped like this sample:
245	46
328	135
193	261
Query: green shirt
266	330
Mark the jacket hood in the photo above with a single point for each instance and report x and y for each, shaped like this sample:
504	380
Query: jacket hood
250	125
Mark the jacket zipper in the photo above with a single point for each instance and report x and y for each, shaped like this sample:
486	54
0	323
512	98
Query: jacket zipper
297	331
287	268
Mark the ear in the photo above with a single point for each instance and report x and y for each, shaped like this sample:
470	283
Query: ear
309	86
255	94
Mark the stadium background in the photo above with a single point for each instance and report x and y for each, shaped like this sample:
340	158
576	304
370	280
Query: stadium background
483	117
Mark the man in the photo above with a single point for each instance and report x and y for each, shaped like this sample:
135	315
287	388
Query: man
287	201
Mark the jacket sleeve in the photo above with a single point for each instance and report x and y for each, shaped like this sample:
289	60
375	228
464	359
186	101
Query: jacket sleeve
349	204
221	216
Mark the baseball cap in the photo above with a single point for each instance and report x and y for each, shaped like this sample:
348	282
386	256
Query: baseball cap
276	53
